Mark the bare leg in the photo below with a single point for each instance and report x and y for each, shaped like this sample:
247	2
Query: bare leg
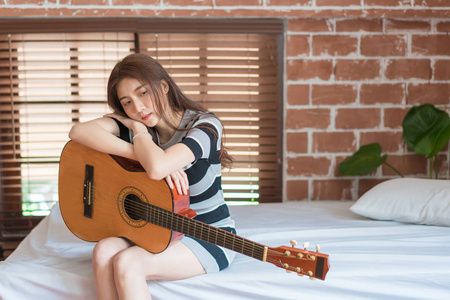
103	258
134	266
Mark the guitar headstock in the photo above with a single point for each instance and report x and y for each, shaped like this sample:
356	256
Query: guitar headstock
301	261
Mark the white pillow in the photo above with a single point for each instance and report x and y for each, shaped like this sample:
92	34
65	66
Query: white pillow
410	200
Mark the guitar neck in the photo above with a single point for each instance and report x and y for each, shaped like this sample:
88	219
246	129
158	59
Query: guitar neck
202	231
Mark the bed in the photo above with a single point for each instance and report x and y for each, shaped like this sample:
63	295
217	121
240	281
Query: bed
369	259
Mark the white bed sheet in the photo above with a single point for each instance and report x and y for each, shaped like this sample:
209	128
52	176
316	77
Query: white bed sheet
369	259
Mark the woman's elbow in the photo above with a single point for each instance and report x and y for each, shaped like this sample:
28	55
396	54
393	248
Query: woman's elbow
75	132
155	174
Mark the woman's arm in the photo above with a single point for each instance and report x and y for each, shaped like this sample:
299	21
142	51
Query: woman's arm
102	135
158	162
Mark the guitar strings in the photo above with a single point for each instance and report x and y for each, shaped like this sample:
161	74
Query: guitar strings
242	242
200	230
164	217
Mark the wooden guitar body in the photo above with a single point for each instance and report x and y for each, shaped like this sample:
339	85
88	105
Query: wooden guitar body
103	209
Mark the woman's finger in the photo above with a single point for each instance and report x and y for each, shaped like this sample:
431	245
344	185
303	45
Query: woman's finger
178	183
169	181
185	182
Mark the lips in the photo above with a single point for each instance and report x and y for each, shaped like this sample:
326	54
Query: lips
146	117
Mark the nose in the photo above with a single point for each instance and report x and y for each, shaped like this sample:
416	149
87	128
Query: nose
138	106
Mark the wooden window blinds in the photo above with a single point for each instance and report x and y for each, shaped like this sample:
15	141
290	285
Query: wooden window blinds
51	80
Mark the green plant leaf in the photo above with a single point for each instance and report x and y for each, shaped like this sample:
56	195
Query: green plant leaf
367	159
416	122
435	139
426	129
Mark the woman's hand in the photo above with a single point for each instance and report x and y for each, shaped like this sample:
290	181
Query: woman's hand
178	179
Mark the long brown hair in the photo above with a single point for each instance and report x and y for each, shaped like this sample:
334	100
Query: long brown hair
149	71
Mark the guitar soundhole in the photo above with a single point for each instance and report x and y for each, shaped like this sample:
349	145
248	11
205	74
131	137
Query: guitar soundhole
134	207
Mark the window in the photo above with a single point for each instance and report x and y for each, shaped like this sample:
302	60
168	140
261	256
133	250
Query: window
52	80
57	80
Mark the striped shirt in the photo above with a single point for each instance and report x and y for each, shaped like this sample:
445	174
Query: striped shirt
204	174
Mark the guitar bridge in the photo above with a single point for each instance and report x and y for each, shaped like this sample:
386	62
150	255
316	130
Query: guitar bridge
88	191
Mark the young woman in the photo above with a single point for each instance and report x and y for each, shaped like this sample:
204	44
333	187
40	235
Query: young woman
174	138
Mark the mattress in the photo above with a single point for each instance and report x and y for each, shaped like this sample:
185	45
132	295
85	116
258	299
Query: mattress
368	259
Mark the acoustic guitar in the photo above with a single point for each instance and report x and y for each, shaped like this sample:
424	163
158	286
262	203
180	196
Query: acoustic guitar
103	195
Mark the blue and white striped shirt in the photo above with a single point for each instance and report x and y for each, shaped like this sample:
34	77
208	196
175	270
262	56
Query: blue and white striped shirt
204	174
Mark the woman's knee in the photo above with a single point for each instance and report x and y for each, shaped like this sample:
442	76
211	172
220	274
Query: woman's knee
106	249
127	265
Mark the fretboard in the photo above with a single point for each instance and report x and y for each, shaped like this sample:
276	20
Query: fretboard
202	231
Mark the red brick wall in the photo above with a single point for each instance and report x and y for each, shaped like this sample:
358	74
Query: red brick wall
352	70
350	82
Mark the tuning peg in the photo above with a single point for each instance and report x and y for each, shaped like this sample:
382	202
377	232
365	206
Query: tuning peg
317	248
310	273
293	243
305	245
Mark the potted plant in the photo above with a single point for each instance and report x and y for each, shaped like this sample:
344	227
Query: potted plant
426	130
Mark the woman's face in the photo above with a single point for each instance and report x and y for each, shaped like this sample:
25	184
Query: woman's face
137	101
